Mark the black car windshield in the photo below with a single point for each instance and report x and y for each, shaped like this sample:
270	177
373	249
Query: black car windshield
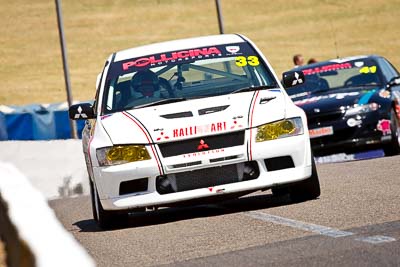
326	76
184	75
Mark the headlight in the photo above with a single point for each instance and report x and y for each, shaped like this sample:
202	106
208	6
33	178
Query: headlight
279	129
121	154
357	109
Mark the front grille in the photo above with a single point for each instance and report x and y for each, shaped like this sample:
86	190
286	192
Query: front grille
324	117
209	177
206	177
190	146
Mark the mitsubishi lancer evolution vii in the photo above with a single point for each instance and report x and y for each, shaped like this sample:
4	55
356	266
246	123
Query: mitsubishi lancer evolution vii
190	121
352	104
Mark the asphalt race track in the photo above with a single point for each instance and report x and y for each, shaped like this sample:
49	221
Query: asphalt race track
355	222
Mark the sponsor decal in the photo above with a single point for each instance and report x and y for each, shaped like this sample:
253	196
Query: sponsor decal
326	68
162	136
202	153
202	145
194	130
80	113
318	98
353	122
172	57
297	80
237	124
384	127
359	64
384	93
233	49
317	132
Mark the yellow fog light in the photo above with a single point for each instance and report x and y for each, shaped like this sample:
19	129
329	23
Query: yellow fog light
279	129
121	154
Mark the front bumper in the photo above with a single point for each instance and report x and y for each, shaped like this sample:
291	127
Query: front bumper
109	179
364	135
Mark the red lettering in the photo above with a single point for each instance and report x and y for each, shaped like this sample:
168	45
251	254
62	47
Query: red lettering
213	128
176	133
327	68
181	132
141	62
213	50
219	126
126	65
182	54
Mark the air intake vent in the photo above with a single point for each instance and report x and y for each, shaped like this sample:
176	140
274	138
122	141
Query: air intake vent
177	115
133	186
212	110
279	163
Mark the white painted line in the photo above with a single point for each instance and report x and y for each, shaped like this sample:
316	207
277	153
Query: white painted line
309	227
376	239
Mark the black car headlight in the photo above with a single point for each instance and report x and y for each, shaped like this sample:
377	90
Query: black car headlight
114	155
358	109
279	129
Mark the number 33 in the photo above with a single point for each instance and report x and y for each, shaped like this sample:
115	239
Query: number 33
242	61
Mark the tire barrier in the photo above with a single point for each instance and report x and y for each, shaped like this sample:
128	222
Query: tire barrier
36	122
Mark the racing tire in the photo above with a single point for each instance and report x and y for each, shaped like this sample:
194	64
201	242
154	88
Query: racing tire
92	200
307	189
393	148
105	219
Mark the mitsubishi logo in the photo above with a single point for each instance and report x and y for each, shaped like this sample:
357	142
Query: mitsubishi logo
297	80
80	114
202	145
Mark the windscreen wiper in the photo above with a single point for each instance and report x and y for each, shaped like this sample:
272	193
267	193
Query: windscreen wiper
254	88
162	101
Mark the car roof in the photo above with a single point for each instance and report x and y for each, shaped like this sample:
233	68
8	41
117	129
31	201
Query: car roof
176	45
338	60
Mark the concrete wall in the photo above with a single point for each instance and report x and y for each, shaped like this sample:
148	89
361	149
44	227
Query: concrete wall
56	168
29	228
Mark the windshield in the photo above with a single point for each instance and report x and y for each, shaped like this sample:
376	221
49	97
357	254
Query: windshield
181	75
359	73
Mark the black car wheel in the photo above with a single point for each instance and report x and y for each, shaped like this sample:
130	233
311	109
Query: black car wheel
393	148
92	198
307	189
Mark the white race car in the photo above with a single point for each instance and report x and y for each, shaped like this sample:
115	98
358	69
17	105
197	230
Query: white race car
192	120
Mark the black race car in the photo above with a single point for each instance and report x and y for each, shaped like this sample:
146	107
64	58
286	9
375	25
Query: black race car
352	104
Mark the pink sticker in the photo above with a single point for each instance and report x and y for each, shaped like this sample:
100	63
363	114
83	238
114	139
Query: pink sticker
384	127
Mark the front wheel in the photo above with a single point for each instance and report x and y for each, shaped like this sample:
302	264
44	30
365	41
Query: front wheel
393	148
307	189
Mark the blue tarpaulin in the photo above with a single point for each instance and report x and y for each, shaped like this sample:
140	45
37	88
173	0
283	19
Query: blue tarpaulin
36	122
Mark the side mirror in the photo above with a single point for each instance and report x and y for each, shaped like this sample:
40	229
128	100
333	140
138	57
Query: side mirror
292	78
393	82
82	111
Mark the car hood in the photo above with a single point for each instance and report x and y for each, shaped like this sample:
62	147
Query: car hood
194	118
332	101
